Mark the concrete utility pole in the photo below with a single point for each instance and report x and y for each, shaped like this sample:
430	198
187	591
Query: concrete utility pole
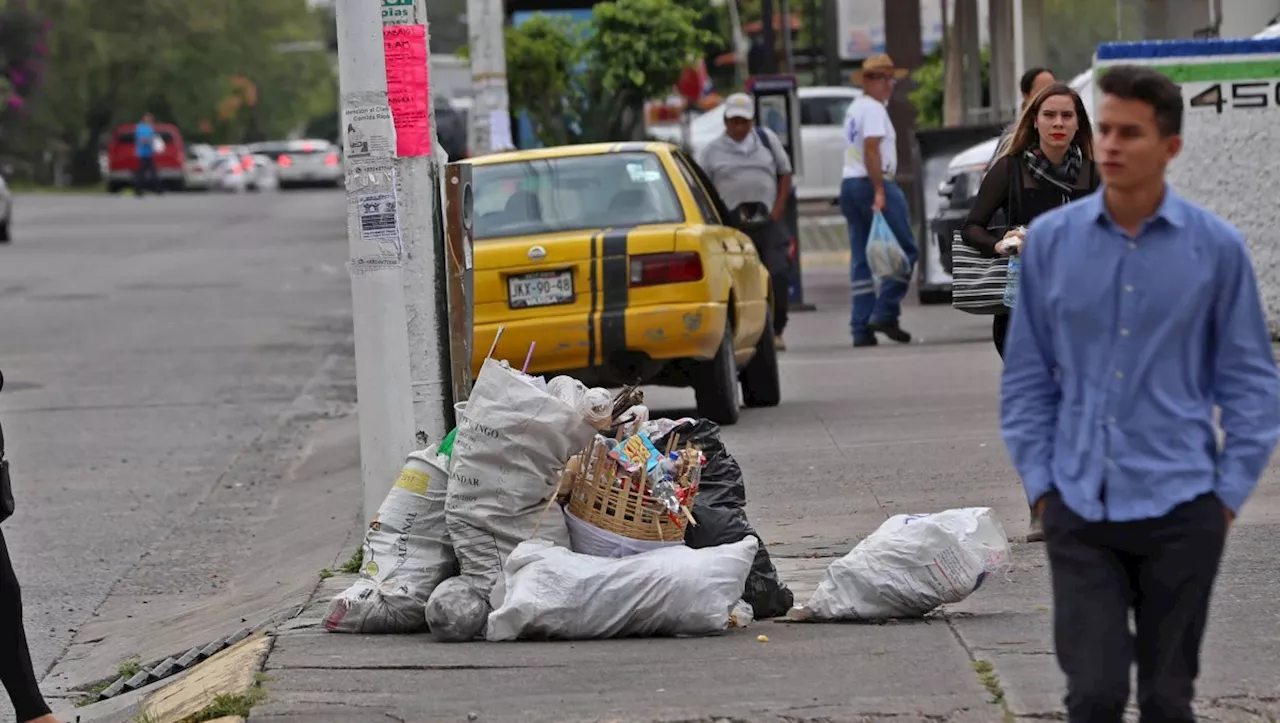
398	277
486	28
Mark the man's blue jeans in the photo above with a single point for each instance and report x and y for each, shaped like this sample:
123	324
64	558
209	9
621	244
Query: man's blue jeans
856	197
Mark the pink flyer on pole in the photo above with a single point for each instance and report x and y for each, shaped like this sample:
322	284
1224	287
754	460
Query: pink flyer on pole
408	87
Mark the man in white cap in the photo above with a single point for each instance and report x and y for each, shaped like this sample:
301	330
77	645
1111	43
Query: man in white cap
870	162
748	165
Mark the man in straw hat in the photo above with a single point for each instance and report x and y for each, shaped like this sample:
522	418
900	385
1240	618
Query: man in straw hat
870	162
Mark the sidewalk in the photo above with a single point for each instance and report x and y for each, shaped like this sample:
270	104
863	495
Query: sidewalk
860	435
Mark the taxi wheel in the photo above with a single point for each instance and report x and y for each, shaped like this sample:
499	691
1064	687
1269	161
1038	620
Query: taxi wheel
761	383
716	385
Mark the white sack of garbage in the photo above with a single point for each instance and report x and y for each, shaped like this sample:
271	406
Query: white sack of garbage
514	438
910	565
551	592
406	554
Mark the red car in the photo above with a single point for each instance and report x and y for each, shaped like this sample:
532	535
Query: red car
122	157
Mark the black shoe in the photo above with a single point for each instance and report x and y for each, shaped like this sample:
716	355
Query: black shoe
864	341
893	331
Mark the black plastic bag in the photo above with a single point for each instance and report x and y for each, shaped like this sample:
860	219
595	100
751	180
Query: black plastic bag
720	509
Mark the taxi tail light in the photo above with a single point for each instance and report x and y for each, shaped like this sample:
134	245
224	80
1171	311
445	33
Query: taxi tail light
285	161
331	159
674	268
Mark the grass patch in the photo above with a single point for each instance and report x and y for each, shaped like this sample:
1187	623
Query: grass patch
225	704
326	573
987	676
129	668
356	562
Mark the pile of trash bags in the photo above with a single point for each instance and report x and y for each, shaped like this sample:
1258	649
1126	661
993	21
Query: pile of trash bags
474	545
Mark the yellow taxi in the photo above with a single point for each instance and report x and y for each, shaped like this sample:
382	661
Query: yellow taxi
613	261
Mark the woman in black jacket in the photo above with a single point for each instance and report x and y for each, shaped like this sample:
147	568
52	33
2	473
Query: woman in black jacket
1049	163
15	659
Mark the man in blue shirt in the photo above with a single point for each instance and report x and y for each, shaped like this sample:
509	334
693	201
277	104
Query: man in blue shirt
1138	313
144	146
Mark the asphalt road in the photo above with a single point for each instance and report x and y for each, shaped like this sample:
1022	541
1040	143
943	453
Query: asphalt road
154	352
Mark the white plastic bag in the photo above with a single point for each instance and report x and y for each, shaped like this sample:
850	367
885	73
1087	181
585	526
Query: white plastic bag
513	440
595	405
885	255
406	554
550	592
978	529
588	539
456	613
910	565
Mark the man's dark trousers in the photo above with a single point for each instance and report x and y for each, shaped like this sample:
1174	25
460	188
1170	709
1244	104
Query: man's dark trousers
1163	569
773	243
148	179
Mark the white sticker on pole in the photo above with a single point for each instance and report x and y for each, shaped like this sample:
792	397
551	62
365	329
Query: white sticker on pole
376	214
368	132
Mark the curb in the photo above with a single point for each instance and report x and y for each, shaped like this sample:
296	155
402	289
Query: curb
232	673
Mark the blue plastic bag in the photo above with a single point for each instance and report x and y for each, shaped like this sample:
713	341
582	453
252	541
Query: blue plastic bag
884	254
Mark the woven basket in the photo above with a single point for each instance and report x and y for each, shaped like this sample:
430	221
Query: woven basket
597	497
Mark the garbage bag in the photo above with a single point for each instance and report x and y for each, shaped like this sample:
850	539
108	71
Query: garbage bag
456	613
910	565
885	255
720	509
551	592
513	440
406	554
591	540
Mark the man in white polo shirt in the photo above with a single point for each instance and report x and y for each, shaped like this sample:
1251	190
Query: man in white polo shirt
748	164
870	162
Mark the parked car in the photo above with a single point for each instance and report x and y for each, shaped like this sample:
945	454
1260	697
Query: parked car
265	177
197	167
304	162
615	259
228	174
122	158
6	211
822	143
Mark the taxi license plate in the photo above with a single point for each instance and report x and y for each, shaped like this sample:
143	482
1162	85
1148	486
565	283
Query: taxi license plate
545	288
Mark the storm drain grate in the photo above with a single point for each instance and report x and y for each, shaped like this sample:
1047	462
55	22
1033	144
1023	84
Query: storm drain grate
167	668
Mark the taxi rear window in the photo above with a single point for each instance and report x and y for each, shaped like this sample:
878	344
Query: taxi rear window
572	193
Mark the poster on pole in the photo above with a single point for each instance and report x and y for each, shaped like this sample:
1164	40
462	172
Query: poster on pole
367	131
408	87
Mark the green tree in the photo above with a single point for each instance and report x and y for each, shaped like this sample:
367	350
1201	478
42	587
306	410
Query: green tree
584	83
214	69
545	53
929	95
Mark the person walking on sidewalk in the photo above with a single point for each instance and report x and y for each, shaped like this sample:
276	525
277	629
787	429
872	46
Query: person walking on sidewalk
1048	163
1032	82
1138	313
16	670
748	165
871	159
